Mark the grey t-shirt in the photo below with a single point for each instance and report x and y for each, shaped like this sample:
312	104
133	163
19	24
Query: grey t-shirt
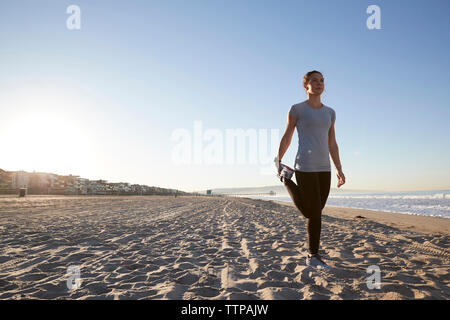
312	127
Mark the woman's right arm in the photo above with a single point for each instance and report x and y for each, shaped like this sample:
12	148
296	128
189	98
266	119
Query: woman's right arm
287	136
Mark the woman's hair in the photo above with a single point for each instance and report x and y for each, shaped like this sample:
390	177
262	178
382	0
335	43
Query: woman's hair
308	75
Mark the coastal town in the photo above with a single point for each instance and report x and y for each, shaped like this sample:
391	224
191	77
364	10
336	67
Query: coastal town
40	183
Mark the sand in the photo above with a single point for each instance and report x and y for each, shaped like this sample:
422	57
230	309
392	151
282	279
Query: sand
159	247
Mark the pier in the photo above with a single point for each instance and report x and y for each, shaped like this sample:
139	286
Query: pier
272	193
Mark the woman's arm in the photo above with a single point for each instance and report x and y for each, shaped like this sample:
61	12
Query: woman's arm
334	152
287	136
333	147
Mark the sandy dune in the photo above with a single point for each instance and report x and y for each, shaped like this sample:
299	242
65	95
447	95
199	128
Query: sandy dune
208	248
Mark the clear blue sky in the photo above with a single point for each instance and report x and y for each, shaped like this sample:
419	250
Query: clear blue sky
104	101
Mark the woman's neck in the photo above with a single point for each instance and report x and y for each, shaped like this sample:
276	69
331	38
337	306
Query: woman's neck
314	101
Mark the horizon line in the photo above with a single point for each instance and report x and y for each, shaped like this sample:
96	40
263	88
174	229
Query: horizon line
266	186
335	188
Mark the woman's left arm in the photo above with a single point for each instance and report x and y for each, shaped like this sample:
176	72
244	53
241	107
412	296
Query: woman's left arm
334	152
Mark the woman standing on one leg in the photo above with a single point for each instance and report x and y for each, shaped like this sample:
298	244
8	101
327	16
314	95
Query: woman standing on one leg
315	126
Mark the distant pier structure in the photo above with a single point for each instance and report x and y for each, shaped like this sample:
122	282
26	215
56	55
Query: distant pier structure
271	193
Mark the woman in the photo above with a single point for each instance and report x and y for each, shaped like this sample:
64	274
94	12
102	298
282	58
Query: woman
315	126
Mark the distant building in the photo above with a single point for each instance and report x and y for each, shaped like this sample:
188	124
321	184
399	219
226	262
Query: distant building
20	180
209	192
38	183
49	183
6	182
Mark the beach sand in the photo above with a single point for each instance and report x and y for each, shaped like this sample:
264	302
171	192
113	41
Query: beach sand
160	247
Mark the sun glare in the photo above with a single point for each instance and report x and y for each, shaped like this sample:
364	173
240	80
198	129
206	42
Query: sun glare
44	143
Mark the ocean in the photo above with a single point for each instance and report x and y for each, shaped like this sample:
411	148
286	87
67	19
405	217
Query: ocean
434	203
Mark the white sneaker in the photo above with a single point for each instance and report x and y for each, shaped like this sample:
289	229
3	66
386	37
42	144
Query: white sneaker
286	172
316	261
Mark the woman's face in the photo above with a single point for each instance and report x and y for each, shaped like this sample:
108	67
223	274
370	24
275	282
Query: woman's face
316	84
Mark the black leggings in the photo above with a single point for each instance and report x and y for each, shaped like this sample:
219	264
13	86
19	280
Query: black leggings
310	195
